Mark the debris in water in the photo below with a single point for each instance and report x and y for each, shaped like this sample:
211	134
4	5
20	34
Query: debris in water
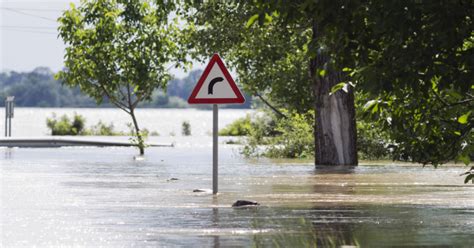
201	191
245	203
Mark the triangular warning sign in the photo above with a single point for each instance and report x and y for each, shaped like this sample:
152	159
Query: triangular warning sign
216	85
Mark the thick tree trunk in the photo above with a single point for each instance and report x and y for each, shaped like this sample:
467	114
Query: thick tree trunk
141	143
335	125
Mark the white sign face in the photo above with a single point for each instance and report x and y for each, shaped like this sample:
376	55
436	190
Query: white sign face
216	86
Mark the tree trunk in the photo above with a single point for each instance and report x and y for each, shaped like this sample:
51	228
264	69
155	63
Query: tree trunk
140	141
335	125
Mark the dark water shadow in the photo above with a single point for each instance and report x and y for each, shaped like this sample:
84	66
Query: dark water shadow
334	169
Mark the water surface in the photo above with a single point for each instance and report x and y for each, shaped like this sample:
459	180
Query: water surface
167	122
103	197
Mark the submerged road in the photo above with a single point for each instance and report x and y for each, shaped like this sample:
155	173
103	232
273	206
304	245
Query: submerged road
45	142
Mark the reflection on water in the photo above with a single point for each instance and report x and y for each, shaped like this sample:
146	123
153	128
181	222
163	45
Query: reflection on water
102	197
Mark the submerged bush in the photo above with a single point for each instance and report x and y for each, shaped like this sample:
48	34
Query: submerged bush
277	137
372	142
292	137
76	126
102	129
65	126
240	127
186	128
295	137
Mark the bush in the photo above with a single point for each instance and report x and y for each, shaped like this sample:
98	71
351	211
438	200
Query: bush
372	142
240	127
295	138
102	129
65	126
262	127
290	137
186	128
76	126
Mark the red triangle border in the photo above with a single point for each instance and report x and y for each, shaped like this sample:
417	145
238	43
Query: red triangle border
215	59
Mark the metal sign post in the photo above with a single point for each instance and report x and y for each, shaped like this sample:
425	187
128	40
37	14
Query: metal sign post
215	86
9	115
215	142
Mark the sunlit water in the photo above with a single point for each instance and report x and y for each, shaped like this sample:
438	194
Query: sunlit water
86	197
167	122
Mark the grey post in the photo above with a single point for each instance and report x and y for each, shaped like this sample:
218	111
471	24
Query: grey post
6	118
10	119
215	140
8	115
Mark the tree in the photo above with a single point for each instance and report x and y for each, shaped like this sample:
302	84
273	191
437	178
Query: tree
413	61
117	50
274	59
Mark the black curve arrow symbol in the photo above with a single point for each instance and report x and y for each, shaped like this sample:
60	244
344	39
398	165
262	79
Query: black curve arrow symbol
210	89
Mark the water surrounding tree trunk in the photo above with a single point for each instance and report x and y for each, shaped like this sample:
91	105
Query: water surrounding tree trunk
335	125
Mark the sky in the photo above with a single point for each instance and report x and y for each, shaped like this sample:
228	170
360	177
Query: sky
29	37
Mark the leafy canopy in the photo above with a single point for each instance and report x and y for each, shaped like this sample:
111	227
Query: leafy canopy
411	62
118	49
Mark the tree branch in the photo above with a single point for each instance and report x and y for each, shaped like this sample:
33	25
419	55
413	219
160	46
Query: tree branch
446	104
270	106
113	100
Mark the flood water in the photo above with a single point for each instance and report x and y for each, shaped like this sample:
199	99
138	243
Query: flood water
88	196
103	197
29	122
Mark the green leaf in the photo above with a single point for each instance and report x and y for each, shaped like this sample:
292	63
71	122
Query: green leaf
463	118
370	104
346	69
322	73
251	21
337	87
457	133
268	18
463	157
469	178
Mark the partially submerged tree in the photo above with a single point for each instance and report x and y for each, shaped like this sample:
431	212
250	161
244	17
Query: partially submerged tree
413	61
116	50
277	58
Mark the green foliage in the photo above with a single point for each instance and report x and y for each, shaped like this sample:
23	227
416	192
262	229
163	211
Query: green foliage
425	129
411	62
295	136
186	128
66	126
76	126
372	142
102	129
469	175
468	178
118	51
138	138
240	127
270	60
292	137
274	137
